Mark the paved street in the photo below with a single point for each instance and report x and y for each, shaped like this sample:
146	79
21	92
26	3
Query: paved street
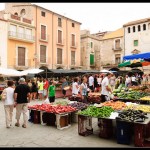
37	135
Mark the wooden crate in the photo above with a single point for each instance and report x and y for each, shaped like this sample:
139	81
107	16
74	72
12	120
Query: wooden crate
63	121
84	125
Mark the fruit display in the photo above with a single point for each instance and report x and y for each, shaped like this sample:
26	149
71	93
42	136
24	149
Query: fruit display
146	98
132	115
78	105
53	108
94	111
64	103
118	105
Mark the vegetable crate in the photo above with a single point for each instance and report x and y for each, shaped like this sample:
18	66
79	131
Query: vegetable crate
84	125
34	116
124	132
94	99
106	128
48	118
74	116
141	132
63	120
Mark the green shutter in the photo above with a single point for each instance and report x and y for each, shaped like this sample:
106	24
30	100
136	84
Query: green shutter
91	59
135	42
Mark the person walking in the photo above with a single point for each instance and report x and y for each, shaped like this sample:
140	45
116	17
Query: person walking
45	88
9	103
22	98
40	89
52	92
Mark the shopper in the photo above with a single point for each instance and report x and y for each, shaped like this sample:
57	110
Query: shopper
9	103
52	91
45	88
34	91
64	84
22	98
91	83
83	89
75	87
40	89
105	88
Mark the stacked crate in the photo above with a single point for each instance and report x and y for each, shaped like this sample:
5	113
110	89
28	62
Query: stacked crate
124	132
84	125
141	132
105	128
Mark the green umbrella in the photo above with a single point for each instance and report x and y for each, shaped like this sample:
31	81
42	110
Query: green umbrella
124	64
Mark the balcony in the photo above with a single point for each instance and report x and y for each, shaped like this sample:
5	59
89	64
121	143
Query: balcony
116	48
18	19
21	37
74	45
22	65
61	42
44	37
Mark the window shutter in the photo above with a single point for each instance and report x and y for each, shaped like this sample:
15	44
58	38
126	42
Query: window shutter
72	57
91	59
73	40
59	36
43	32
42	54
21	56
59	56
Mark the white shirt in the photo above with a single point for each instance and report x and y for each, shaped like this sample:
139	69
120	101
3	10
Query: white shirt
9	96
128	80
91	80
75	90
133	78
105	82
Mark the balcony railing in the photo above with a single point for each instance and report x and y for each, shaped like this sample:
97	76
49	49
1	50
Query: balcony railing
23	65
21	36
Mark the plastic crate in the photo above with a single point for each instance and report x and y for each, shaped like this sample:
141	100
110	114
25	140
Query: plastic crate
63	121
105	128
141	132
84	125
123	130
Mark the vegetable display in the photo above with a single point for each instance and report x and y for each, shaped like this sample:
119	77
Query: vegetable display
132	115
115	105
78	105
94	111
53	109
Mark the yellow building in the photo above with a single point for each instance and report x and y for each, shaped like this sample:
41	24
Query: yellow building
57	38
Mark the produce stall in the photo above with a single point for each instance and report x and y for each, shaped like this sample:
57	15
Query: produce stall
128	122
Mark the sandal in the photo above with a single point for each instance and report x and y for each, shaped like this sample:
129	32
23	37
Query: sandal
17	124
24	126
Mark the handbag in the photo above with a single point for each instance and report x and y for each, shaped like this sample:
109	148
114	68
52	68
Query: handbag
4	94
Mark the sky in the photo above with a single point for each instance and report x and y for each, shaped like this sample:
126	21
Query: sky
99	17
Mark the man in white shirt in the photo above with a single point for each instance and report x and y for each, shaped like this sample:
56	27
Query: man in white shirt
91	83
105	88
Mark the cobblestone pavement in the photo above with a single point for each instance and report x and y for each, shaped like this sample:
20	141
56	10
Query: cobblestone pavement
37	135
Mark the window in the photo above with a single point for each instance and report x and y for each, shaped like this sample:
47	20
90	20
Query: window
21	56
128	29
91	59
13	30
21	32
42	53
29	34
133	28
139	28
73	39
144	26
117	59
59	22
72	24
91	44
59	56
117	43
23	12
59	36
43	13
72	57
43	32
135	42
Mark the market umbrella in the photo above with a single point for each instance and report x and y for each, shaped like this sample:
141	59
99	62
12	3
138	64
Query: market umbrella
105	71
31	71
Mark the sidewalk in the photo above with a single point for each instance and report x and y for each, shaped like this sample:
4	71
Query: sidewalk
37	135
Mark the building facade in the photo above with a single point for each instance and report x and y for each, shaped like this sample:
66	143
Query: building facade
57	38
90	51
112	49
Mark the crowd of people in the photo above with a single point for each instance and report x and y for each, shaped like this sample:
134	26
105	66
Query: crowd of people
19	94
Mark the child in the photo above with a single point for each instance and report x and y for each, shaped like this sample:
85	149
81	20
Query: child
52	91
